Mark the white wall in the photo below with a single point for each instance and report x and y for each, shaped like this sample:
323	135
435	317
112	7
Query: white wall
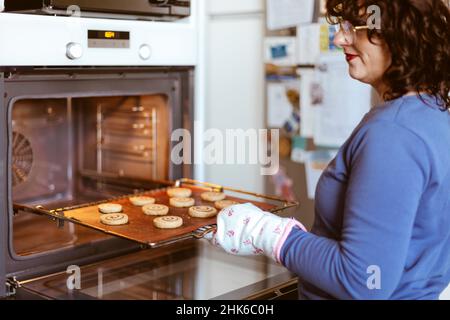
234	74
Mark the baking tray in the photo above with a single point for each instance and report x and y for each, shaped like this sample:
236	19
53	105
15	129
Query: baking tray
140	227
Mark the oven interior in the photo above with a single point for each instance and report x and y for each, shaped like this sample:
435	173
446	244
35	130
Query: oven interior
72	151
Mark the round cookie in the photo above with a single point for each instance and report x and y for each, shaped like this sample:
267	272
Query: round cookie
114	219
142	201
182	202
212	196
168	222
202	212
110	208
179	192
155	209
222	204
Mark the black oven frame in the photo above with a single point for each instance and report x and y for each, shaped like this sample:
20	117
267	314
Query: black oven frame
79	82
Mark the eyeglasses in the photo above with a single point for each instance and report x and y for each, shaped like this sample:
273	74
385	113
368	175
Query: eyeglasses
348	30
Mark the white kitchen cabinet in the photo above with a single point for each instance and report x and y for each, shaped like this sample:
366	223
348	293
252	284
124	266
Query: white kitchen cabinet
235	6
234	82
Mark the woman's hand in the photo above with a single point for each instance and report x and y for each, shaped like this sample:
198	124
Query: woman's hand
244	229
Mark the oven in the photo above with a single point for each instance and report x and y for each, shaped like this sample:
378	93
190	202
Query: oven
87	110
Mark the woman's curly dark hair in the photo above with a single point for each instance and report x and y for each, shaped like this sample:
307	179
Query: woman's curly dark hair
417	33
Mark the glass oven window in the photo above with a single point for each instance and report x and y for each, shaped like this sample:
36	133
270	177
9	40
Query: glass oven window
73	151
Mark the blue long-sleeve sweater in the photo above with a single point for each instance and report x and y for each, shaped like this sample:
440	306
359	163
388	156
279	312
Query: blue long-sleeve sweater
382	225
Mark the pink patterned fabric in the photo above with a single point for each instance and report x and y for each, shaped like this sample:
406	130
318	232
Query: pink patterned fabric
244	229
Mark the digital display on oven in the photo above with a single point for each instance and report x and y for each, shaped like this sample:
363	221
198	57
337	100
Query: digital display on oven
108	39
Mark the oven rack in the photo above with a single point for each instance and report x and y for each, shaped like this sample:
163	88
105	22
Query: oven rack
140	228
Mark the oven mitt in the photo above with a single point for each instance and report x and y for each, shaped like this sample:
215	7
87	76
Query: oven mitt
244	229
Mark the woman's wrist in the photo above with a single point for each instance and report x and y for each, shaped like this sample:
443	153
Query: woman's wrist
292	224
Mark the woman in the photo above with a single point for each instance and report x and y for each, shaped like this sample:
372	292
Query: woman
382	226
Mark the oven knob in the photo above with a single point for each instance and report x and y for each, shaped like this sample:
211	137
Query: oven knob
74	50
145	52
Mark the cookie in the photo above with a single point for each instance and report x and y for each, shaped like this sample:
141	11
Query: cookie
222	204
168	222
202	212
212	196
155	209
179	192
182	202
110	208
142	201
114	219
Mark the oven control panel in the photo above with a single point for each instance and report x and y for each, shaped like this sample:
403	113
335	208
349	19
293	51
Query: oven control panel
108	39
60	41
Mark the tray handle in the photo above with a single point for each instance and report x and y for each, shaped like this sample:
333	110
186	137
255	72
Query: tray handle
218	188
203	231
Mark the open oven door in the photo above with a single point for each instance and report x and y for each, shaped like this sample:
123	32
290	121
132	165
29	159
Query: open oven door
194	270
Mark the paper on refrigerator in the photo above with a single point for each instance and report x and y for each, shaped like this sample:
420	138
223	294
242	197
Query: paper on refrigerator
281	51
308	101
308	48
345	102
283	14
279	107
